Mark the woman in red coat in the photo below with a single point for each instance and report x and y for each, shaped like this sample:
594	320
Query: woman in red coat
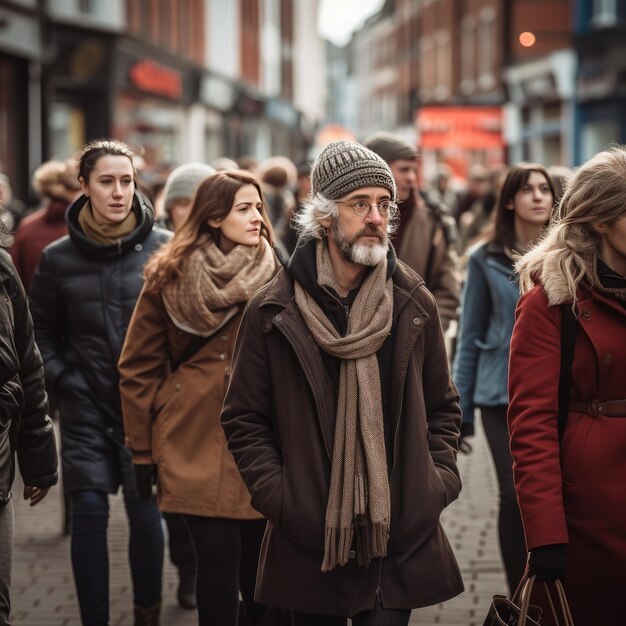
571	491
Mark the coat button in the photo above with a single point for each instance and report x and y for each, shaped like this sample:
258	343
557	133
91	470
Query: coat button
606	358
278	318
587	314
177	387
267	327
417	321
352	554
223	356
139	247
224	337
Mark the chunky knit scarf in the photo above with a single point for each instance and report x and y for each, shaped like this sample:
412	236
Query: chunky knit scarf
106	234
359	499
213	286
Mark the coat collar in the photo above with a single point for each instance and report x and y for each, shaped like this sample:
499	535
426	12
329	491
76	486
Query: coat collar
145	221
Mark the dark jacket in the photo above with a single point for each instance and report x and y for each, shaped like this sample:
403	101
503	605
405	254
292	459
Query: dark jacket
24	426
82	297
279	418
426	245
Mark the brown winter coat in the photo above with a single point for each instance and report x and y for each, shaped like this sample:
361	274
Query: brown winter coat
172	418
279	416
422	231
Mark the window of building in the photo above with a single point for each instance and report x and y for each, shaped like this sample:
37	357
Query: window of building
486	48
468	53
604	12
85	6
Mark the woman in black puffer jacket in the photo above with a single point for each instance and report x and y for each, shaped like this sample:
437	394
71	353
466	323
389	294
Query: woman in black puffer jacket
82	297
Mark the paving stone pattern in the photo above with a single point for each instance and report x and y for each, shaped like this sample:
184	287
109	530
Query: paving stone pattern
43	589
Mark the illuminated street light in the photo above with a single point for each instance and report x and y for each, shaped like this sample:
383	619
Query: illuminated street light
527	39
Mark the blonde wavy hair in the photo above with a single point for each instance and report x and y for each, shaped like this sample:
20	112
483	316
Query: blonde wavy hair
595	194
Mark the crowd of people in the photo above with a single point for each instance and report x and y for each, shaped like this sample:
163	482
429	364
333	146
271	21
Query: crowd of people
283	361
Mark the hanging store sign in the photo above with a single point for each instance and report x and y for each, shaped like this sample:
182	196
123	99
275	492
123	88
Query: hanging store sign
155	78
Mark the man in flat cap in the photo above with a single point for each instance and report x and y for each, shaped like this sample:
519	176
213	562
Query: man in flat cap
341	414
425	236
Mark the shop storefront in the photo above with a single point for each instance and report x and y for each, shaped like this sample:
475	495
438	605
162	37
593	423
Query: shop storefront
153	95
459	136
77	87
218	95
20	96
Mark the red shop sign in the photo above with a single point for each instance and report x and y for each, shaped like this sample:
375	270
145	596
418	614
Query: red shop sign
154	78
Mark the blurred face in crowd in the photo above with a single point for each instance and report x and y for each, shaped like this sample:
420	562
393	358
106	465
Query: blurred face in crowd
612	243
405	174
359	233
533	203
179	212
242	225
110	188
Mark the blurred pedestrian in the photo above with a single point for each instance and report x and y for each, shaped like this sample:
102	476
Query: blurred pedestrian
560	175
570	473
440	192
341	414
174	370
178	193
82	297
224	163
278	176
56	182
289	233
474	206
490	294
425	236
25	429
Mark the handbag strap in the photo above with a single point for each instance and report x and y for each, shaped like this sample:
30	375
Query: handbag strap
524	601
569	327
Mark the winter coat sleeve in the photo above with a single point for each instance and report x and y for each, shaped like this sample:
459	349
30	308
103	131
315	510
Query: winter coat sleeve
442	409
247	416
475	316
534	368
142	367
36	447
49	316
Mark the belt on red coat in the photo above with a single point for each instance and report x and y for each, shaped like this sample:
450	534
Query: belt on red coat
608	408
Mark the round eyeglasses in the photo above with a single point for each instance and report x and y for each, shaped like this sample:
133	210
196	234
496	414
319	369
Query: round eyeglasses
361	208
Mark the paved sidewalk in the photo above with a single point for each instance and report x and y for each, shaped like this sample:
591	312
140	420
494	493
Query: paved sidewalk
43	588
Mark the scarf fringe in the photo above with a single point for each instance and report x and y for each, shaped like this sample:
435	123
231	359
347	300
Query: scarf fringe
337	545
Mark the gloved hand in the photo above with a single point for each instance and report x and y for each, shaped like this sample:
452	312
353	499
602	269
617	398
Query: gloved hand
145	477
547	563
467	430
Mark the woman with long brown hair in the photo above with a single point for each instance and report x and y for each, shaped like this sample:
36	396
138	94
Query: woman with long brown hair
174	371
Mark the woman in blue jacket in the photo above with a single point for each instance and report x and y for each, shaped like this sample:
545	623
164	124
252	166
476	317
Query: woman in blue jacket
488	303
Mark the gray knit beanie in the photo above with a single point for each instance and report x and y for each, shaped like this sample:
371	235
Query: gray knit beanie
344	166
184	181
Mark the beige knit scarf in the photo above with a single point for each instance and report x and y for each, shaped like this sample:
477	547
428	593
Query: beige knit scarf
359	500
213	286
106	234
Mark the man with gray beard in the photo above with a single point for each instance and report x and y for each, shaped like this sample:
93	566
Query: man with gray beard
341	414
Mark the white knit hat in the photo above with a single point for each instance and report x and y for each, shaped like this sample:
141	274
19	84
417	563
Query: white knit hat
184	181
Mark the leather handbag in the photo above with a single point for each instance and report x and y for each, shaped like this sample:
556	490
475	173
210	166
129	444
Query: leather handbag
518	611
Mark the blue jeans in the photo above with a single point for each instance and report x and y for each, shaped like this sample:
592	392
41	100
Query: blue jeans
6	560
90	558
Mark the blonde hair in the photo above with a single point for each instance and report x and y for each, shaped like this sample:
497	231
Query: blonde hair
594	195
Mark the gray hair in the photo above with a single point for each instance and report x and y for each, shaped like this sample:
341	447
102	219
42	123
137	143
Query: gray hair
307	219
